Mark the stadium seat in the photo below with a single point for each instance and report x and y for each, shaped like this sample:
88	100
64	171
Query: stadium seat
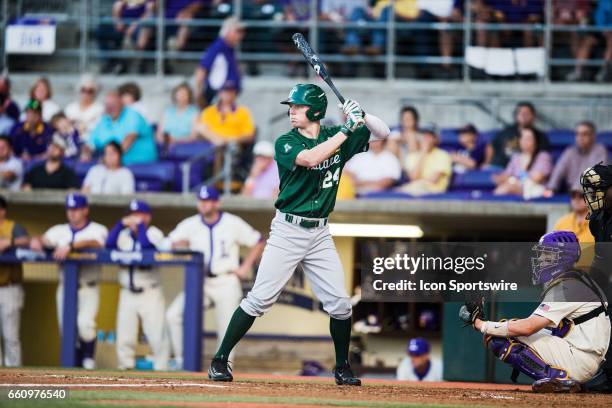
81	168
605	138
157	176
473	180
561	137
180	152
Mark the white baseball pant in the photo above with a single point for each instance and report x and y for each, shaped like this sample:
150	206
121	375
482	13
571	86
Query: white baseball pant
89	301
11	303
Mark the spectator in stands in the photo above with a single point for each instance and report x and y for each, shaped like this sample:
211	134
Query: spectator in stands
338	12
405	11
177	123
53	173
439	11
126	127
41	91
419	365
375	170
86	111
64	129
572	13
603	19
429	168
583	154
183	12
9	107
12	235
9	113
405	138
263	180
507	12
505	143
11	168
527	171
576	220
219	64
471	154
226	121
128	31
131	96
109	177
32	136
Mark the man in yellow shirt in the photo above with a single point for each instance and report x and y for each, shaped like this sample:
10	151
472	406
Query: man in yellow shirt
226	121
429	168
575	220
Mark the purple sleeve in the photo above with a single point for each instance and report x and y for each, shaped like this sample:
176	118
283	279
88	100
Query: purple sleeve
542	164
478	154
210	54
143	239
113	235
513	167
559	171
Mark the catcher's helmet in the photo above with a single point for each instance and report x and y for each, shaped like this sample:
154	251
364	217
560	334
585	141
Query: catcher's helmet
309	95
595	182
555	254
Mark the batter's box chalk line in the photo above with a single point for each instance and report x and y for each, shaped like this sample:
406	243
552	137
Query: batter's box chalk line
131	385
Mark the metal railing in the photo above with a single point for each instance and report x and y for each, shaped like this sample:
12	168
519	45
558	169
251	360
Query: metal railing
84	17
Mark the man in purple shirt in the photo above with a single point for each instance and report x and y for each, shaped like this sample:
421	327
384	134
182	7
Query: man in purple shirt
32	136
218	64
575	159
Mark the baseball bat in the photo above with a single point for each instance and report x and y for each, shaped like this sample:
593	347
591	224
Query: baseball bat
315	62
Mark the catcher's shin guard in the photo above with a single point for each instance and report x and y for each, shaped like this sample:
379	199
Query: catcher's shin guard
524	359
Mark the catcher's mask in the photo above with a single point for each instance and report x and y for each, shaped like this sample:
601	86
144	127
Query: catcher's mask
555	253
595	182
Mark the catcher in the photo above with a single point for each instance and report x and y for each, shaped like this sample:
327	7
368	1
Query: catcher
574	312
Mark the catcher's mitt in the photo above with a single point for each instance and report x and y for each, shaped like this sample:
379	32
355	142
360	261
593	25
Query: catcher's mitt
471	311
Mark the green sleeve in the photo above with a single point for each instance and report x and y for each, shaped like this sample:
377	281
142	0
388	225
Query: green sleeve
286	150
358	142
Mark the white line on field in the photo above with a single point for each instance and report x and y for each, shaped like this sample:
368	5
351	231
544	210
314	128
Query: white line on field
68	385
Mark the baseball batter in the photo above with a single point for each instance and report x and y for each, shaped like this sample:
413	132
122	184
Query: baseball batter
573	308
310	158
78	233
12	234
141	296
218	236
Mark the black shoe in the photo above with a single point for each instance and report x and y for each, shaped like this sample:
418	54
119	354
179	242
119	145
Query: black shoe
344	375
600	383
220	370
548	385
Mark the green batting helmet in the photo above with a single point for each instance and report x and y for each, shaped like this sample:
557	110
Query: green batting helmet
309	95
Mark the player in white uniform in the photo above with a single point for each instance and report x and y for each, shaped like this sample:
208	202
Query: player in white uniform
218	235
78	233
573	309
141	295
12	234
419	365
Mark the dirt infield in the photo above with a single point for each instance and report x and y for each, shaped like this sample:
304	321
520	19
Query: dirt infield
135	389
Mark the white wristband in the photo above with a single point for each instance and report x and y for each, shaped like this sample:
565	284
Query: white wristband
498	329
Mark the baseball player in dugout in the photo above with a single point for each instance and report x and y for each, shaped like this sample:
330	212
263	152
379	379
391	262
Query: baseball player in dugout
310	158
141	296
597	191
79	233
12	235
566	357
218	236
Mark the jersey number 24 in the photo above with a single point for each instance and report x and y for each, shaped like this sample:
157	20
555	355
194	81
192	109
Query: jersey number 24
330	179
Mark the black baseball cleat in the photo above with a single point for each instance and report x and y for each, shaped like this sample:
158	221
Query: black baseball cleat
344	375
220	370
548	385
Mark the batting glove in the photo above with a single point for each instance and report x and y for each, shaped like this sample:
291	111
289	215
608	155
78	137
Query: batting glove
353	122
351	106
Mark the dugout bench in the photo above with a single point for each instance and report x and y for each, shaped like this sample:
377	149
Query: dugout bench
193	286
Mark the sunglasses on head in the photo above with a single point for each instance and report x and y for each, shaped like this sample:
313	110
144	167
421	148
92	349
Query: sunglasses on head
88	90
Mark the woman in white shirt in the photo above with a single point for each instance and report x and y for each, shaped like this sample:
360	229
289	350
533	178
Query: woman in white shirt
86	111
109	177
41	91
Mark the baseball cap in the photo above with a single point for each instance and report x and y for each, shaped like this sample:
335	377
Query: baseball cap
418	346
468	128
59	142
34	105
208	193
139	206
75	200
263	148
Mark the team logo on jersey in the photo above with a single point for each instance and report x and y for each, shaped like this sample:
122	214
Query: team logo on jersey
287	147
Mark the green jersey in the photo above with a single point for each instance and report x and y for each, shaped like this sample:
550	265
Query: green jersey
311	192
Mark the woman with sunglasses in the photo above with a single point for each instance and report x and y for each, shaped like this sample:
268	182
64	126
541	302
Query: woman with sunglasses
85	112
